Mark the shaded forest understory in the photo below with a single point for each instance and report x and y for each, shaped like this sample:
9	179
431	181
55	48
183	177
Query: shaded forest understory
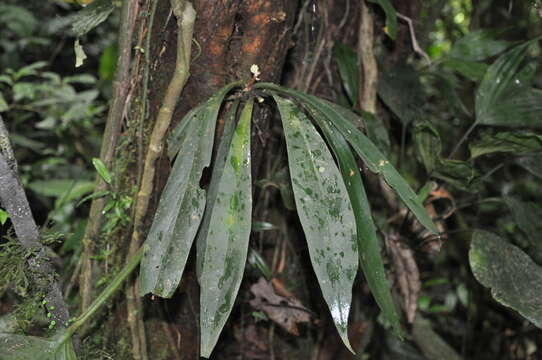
448	91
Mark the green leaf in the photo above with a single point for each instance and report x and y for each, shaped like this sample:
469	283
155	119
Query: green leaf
4	216
207	110
91	16
21	347
391	17
348	69
401	90
460	174
3	104
68	189
377	132
324	210
93	196
344	121
472	70
521	109
515	280
532	164
102	170
27	142
427	144
479	45
87	19
258	262
212	192
181	205
501	75
368	243
29	70
263	226
448	85
227	238
527	215
510	142
108	62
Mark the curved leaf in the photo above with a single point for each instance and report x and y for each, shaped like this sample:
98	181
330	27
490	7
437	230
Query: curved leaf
324	210
343	120
521	109
472	70
227	237
401	90
517	142
515	280
391	17
479	45
208	109
91	16
212	191
346	59
500	76
22	347
181	206
368	243
179	212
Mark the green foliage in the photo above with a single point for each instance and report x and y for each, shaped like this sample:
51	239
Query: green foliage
325	196
227	238
4	216
324	210
87	19
12	266
391	17
348	69
514	278
193	140
505	96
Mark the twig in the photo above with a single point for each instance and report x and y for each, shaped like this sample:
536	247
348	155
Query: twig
415	46
109	142
321	41
185	14
463	138
369	83
13	199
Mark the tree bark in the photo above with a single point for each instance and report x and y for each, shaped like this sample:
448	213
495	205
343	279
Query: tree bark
229	36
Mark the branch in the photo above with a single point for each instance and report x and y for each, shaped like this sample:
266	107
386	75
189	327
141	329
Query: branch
13	199
109	144
367	99
415	45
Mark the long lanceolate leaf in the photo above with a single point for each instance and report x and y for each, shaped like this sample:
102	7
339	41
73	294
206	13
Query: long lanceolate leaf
182	203
368	244
324	210
227	237
343	120
212	191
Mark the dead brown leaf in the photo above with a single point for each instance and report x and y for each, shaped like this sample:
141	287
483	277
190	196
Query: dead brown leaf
287	312
407	274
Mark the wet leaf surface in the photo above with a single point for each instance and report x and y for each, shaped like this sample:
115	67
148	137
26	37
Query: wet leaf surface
324	210
182	203
227	238
513	277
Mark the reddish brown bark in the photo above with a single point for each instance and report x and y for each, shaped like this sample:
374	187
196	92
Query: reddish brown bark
231	35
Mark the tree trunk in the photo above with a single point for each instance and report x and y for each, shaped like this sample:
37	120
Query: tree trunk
229	36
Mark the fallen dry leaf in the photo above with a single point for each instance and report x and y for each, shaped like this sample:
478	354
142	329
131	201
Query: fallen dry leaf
407	274
285	311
